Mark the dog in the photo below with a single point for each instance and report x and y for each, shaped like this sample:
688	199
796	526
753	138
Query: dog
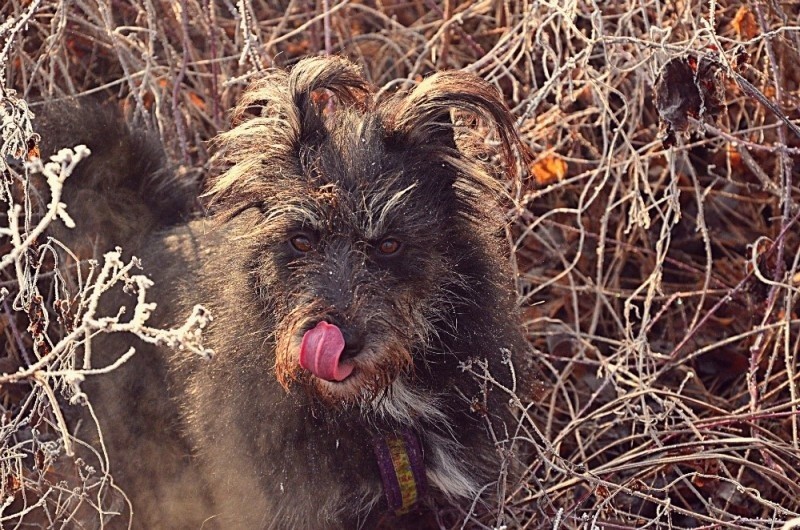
365	321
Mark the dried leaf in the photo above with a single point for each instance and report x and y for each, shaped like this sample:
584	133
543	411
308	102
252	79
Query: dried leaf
688	88
677	98
197	101
744	23
734	157
552	168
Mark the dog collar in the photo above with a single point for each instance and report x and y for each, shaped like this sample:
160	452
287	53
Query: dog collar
400	460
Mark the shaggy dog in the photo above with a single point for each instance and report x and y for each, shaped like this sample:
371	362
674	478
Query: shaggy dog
364	314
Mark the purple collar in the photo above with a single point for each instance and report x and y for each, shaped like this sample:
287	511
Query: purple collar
402	466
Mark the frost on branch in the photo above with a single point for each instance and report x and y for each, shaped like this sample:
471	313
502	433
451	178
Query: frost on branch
56	172
15	129
61	365
51	312
115	271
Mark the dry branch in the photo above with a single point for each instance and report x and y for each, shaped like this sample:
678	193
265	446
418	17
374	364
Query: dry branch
659	284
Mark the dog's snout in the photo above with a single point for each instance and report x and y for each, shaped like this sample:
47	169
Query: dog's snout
353	343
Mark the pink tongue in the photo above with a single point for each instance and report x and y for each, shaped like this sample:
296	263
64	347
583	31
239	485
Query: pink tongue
320	352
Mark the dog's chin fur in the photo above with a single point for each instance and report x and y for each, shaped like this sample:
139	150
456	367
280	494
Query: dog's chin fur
251	439
364	385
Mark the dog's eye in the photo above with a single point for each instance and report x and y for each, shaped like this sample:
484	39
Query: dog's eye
301	243
389	246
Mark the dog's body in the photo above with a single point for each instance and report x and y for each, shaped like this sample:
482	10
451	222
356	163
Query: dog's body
356	276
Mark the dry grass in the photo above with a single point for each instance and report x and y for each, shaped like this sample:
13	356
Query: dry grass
660	285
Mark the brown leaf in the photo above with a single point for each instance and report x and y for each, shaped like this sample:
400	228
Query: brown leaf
552	168
197	101
677	97
688	88
33	148
744	23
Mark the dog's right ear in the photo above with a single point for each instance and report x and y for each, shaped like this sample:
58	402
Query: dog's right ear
309	80
275	116
299	96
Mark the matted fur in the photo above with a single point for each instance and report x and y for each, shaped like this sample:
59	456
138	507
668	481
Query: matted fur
251	440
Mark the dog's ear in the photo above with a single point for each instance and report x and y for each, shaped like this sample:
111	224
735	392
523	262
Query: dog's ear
301	95
423	117
272	119
313	79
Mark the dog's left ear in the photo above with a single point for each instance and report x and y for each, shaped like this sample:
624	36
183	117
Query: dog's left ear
423	117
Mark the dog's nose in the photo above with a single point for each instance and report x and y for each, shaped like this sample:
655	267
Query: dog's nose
353	343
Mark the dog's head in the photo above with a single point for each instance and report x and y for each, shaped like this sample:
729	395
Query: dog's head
372	226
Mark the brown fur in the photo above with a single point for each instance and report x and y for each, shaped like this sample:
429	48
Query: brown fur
250	439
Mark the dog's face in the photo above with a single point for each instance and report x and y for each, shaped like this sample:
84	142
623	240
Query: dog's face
364	242
364	245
